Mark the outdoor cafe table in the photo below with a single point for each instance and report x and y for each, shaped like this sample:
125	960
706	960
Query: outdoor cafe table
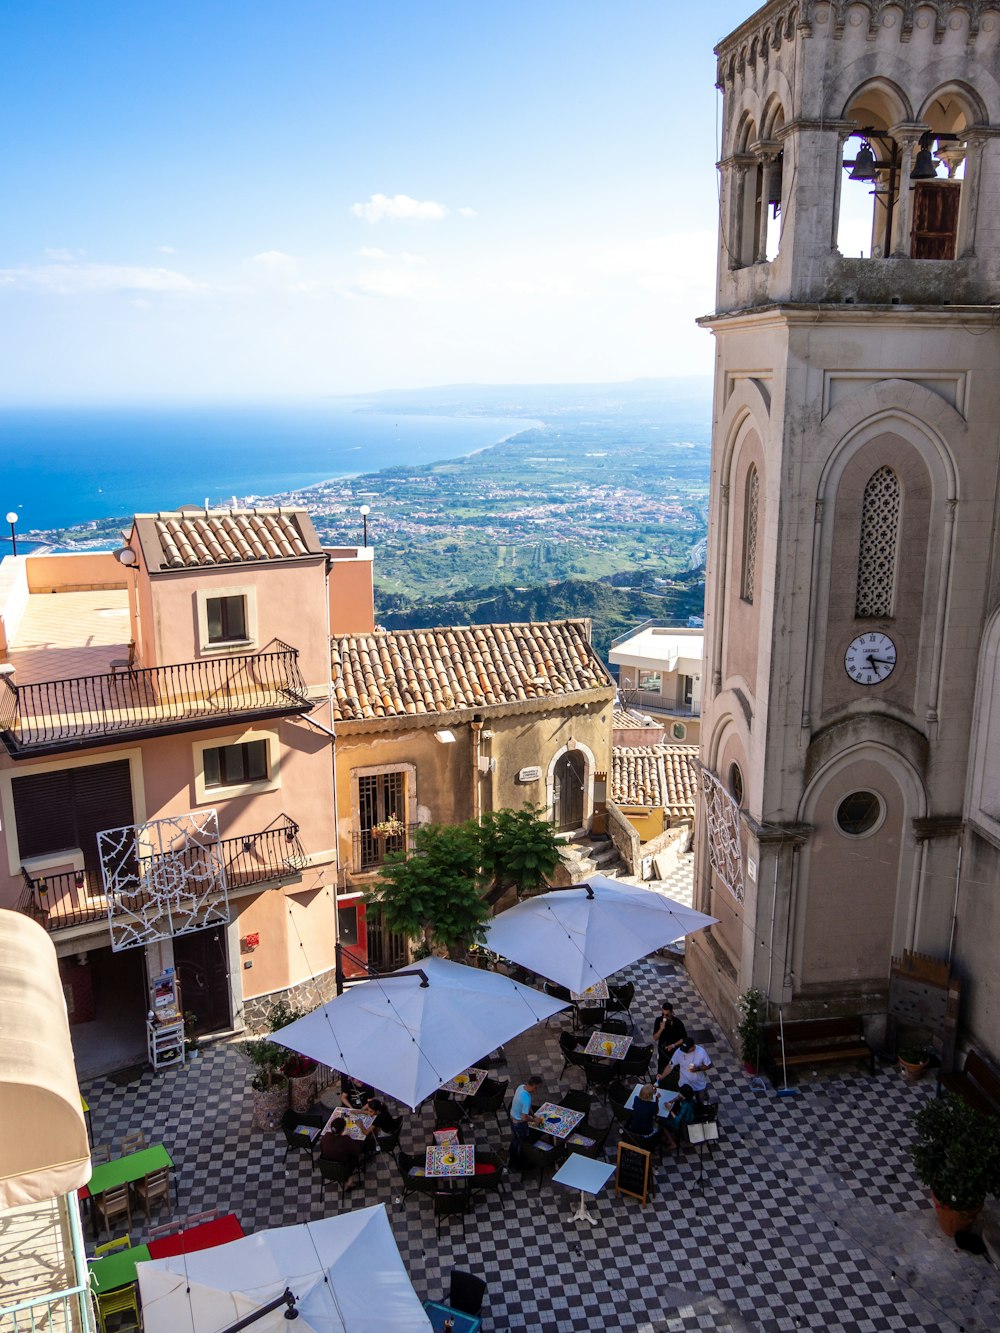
127	1170
589	1176
446	1160
559	1121
664	1097
608	1045
467	1084
598	991
220	1231
356	1125
116	1269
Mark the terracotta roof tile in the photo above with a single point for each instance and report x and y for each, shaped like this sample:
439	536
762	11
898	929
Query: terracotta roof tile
400	673
196	538
656	776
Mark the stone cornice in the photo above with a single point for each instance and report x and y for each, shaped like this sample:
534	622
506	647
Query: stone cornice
937	826
578	702
796	313
766	833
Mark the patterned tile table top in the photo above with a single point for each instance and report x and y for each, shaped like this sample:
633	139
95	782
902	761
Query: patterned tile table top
598	991
465	1085
442	1136
607	1044
451	1159
557	1120
356	1125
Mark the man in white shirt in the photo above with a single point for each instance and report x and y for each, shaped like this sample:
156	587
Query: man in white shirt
693	1063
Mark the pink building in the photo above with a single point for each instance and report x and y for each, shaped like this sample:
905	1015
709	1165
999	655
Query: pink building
166	765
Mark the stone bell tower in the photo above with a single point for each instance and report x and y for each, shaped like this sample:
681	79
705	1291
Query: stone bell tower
852	552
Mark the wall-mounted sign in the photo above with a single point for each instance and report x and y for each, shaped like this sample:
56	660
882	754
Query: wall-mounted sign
529	774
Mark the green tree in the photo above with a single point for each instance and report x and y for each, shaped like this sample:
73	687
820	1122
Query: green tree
519	850
433	895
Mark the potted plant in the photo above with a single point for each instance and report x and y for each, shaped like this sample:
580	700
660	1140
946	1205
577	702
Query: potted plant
751	1005
957	1156
190	1040
393	827
914	1061
300	1070
269	1084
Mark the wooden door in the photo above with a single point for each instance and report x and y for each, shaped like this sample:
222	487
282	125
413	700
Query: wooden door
567	793
203	973
935	219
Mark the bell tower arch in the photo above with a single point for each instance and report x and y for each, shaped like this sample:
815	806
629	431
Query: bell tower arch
852	554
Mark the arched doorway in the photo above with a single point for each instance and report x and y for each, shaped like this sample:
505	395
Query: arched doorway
567	791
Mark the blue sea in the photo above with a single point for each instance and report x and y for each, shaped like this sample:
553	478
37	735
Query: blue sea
67	466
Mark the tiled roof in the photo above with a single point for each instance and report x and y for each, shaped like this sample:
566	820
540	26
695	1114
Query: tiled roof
199	538
626	719
654	776
400	673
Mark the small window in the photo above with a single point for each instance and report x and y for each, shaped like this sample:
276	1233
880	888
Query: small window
347	925
751	512
233	765
650	680
227	619
687	683
859	813
736	783
878	546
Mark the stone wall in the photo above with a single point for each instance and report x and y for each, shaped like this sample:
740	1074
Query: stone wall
305	995
624	837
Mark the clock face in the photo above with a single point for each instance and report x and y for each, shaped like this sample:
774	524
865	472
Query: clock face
870	658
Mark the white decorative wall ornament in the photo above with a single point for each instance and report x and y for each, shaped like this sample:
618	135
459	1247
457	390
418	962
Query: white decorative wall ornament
878	546
163	878
723	821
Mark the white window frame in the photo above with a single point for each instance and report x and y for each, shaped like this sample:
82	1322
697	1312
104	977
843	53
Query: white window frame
206	795
202	598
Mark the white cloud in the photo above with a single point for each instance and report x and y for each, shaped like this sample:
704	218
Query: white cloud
61	255
468	212
400	207
406	257
371	252
166	249
396	284
274	259
90	279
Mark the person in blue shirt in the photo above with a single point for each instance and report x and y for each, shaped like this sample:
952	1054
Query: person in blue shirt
521	1117
681	1114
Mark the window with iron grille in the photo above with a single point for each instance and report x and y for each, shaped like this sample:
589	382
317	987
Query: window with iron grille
879	540
750	515
381	817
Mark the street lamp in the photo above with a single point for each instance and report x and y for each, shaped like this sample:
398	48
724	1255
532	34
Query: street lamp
12	519
364	511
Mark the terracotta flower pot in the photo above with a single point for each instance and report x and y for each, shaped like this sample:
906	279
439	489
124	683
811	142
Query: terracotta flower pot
953	1220
912	1072
269	1105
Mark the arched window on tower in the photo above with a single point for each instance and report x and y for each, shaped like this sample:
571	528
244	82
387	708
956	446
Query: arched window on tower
751	513
879	541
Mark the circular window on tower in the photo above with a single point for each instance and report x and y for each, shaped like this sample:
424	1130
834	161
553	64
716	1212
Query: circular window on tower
679	731
736	783
860	813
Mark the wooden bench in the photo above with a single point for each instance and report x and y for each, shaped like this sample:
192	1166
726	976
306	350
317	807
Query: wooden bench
813	1041
976	1083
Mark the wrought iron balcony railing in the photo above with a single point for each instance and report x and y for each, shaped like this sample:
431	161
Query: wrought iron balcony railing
77	898
370	850
55	715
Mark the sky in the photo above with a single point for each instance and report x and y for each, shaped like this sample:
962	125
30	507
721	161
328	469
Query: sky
216	201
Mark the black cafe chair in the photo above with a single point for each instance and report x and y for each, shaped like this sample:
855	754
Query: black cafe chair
466	1292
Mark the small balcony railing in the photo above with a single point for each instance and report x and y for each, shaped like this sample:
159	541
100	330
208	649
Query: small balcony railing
54	715
77	898
370	851
648	701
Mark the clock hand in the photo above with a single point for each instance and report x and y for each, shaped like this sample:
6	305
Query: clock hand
882	661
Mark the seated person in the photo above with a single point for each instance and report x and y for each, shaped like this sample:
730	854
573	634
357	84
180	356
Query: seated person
337	1146
383	1121
681	1114
642	1119
353	1092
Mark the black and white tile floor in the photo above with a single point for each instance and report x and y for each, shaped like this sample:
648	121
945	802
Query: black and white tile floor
810	1216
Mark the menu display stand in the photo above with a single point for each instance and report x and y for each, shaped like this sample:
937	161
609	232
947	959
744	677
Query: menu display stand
164	1023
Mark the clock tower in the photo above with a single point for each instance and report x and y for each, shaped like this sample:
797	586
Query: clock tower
852	571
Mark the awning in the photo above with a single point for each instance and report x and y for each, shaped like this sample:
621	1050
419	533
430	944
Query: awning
44	1150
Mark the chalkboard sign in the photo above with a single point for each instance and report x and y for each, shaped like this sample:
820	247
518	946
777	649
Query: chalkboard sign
633	1172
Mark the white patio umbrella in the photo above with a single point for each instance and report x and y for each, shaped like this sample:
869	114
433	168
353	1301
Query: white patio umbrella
406	1038
581	935
345	1273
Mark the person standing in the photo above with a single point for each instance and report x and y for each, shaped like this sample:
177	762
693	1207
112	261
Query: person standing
693	1064
522	1117
668	1033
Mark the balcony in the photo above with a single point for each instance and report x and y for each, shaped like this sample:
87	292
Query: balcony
53	716
77	898
648	701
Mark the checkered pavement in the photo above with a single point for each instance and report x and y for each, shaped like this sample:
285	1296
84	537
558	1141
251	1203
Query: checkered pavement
809	1215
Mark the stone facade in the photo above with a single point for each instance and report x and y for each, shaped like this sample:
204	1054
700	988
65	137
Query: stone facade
862	394
304	996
